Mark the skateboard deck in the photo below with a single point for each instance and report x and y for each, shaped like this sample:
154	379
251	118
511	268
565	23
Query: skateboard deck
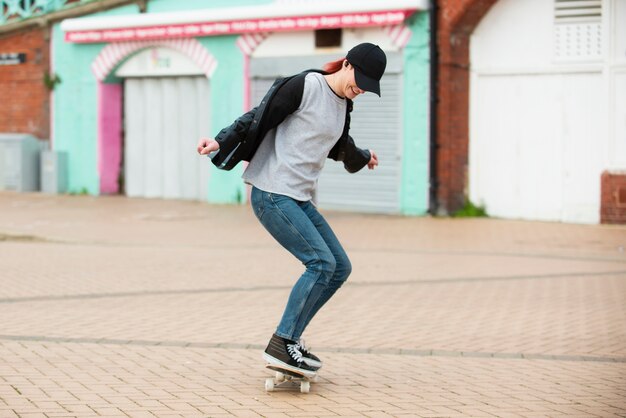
286	378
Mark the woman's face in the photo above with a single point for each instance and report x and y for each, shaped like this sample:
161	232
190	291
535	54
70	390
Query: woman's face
349	87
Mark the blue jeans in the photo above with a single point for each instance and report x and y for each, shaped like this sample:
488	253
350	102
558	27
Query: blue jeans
302	231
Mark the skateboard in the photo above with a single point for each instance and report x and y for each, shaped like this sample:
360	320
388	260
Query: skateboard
288	378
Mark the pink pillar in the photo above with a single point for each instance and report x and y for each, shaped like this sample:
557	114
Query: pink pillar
109	136
246	82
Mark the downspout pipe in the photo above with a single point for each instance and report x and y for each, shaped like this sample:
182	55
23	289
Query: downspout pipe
433	203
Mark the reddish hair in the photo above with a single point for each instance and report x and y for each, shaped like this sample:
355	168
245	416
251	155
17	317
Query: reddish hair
333	66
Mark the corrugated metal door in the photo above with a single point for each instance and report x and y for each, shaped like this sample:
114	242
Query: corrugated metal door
164	118
376	125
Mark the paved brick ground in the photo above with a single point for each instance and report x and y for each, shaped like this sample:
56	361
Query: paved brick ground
128	307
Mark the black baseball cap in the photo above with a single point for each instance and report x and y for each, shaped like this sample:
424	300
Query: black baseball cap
369	62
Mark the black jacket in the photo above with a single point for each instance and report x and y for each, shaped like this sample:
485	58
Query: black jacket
242	138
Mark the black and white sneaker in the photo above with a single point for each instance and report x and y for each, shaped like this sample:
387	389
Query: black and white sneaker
286	355
309	358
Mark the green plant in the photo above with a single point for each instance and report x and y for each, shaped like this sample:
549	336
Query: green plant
81	192
51	80
470	210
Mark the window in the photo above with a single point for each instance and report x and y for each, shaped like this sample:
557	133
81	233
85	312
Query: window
327	38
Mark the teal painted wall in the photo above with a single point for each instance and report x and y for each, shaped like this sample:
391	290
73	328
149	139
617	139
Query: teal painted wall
227	98
75	107
415	158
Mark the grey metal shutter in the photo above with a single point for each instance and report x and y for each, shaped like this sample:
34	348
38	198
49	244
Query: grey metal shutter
376	124
259	87
164	119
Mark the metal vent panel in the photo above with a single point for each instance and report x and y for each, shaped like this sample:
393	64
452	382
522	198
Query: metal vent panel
577	10
578	30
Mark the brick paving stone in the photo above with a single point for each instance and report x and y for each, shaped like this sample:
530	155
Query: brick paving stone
119	316
139	414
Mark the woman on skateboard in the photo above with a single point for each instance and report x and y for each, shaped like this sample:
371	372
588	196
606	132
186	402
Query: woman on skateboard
302	120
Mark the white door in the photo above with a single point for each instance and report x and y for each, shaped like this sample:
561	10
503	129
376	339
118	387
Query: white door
164	118
538	123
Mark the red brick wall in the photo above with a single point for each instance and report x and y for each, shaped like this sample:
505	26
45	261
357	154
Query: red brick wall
456	21
25	102
613	200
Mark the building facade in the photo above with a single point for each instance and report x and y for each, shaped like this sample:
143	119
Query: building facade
531	108
25	77
515	106
140	89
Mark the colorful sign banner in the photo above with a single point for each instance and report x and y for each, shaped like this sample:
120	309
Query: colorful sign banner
282	24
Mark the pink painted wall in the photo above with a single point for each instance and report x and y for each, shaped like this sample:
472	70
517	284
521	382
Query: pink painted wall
109	136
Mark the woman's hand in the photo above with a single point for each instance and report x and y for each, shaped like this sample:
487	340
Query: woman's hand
373	161
207	145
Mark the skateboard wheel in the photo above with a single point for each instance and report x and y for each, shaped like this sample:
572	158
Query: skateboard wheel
315	379
305	387
269	385
280	377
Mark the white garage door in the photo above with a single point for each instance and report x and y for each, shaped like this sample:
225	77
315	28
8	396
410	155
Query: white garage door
164	118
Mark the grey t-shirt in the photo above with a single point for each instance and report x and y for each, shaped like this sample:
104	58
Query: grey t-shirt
290	157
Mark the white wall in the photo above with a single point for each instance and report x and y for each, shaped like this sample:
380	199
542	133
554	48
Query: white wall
302	43
617	149
513	35
540	125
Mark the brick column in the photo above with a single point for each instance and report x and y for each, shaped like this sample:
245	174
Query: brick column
25	103
613	200
456	20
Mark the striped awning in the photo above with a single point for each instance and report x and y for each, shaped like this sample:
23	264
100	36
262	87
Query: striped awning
273	17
